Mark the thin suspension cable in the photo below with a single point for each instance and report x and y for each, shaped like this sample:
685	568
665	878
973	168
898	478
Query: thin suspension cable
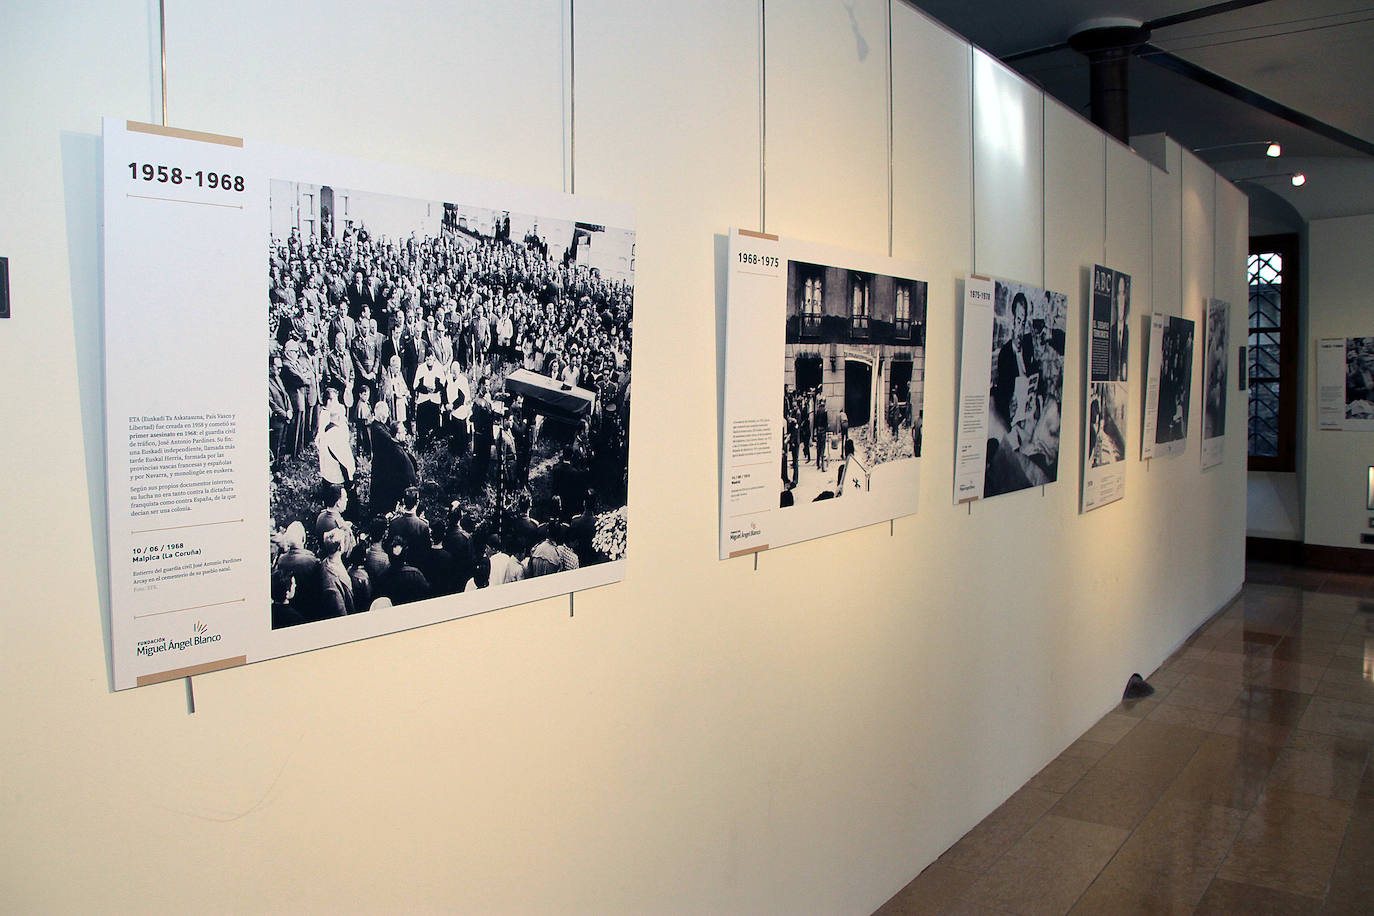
1078	63
1285	34
1281	22
162	41
891	191
572	96
763	123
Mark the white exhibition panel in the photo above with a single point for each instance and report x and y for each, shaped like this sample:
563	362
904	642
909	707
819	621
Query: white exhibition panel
1336	468
1273	506
1129	203
485	101
1198	201
932	147
706	181
1233	245
828	492
932	215
701	737
1128	249
1075	218
826	123
1008	173
1166	229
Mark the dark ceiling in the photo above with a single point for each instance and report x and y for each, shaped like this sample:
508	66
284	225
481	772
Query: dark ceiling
1314	58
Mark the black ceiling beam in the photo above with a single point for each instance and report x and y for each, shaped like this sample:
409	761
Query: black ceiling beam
1172	62
1163	22
1035	52
1215	9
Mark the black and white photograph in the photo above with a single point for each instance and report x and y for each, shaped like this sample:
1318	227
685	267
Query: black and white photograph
1025	388
1215	374
824	387
1106	424
1175	380
448	394
1359	378
853	378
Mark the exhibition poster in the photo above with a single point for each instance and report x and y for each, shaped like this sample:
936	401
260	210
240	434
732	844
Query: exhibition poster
1104	452
1345	383
1011	382
824	381
1215	346
347	398
1168	387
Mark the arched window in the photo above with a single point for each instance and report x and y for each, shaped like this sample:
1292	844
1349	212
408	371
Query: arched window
903	320
811	306
858	306
1273	352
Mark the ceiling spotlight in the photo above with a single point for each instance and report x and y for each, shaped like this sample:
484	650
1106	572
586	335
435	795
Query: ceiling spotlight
1271	149
1297	179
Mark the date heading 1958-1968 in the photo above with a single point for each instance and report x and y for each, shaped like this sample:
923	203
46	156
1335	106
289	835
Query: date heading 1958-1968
164	174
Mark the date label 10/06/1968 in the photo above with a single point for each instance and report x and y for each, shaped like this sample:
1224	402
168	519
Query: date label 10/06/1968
164	174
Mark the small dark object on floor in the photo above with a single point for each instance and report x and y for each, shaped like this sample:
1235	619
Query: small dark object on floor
1137	688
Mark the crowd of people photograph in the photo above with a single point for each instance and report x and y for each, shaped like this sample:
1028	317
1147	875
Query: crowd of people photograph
1359	378
1214	399
448	411
832	456
1175	380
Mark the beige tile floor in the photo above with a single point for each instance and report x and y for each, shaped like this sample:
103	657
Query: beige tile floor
1242	786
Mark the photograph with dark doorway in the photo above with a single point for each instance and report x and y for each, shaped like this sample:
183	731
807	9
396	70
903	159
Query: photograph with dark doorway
854	378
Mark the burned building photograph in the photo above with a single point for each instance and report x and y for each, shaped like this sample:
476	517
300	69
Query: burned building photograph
854	377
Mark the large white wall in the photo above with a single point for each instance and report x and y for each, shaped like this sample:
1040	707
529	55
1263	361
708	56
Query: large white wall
705	736
1336	467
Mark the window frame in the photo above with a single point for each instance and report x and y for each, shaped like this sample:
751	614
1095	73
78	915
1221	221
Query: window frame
1286	245
902	322
860	303
809	324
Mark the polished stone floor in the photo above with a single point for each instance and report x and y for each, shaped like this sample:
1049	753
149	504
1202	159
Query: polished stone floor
1242	786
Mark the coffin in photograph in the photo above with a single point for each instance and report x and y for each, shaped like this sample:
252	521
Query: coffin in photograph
549	396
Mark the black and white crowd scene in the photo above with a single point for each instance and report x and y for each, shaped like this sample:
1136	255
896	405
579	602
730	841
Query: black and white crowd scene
1214	402
1359	378
1026	388
1175	380
808	426
448	410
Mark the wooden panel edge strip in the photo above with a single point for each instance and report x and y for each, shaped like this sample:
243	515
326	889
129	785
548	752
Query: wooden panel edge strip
205	668
969	500
180	134
979	277
757	235
748	550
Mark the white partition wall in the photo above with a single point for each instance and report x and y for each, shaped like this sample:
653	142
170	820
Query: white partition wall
800	736
1166	230
826	121
471	99
1008	173
1198	202
1336	470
